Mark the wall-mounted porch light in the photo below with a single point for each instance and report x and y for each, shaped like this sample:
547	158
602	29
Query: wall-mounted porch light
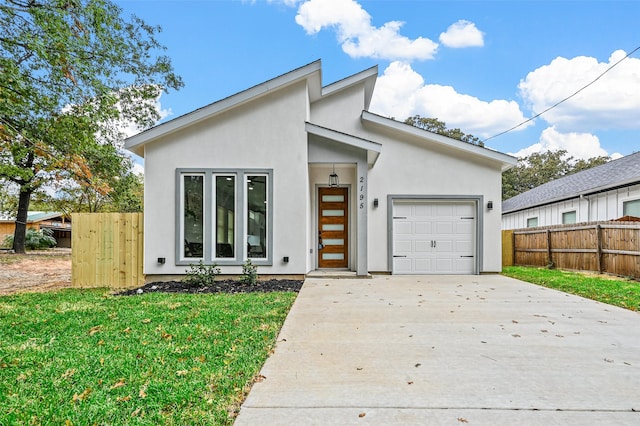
334	180
490	205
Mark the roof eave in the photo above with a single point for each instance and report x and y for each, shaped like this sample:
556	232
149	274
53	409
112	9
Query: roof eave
368	77
506	161
310	72
373	148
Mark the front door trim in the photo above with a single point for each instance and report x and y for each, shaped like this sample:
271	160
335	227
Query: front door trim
477	199
334	235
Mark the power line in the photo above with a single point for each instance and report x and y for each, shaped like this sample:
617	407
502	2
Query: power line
565	99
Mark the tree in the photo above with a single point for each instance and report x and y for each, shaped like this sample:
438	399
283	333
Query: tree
70	70
440	127
542	167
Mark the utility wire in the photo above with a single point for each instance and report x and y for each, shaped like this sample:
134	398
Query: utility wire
565	99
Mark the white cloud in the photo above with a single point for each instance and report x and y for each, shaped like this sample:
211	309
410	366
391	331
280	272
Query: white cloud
401	92
578	145
356	34
611	102
462	34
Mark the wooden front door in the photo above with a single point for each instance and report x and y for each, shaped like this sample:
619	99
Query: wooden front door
333	221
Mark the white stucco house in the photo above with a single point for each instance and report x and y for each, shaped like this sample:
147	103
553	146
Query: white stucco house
250	177
606	192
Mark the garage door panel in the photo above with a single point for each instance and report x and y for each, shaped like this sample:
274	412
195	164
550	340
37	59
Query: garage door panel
403	265
403	247
444	209
464	263
464	227
403	228
422	246
444	246
422	228
422	266
402	210
464	247
434	237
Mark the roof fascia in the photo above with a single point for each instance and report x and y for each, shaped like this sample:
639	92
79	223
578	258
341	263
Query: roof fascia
311	71
368	77
507	161
373	148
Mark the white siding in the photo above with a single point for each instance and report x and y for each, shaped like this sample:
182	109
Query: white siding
604	206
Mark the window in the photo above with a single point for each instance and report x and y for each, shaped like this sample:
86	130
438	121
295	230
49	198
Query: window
631	208
256	209
224	216
192	215
532	222
569	217
225	208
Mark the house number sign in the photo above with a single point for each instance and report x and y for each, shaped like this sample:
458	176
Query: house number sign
361	185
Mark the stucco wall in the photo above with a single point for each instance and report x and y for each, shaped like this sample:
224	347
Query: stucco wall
604	206
267	133
409	169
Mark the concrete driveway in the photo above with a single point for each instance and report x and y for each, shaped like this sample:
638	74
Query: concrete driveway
450	350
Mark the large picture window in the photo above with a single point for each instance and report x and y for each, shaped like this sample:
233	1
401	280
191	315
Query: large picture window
224	216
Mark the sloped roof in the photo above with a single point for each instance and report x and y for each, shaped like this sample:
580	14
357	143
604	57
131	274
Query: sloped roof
311	72
34	216
624	171
506	161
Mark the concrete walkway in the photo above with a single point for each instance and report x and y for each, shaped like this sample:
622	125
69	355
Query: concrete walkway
449	350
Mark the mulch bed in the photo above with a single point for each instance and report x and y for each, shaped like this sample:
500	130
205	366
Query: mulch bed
222	286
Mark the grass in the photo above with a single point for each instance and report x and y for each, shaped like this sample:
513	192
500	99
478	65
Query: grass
78	357
614	291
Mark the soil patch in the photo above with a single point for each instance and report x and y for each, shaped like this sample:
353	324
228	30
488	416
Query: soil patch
222	286
35	271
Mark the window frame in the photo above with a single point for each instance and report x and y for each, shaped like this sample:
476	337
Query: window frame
180	231
574	211
531	218
625	201
210	217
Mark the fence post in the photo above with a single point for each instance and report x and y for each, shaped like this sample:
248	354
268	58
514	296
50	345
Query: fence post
599	247
549	257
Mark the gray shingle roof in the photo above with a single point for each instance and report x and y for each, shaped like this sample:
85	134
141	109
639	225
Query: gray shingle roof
620	172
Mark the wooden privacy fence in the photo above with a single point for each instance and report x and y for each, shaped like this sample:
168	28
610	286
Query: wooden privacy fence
610	247
106	250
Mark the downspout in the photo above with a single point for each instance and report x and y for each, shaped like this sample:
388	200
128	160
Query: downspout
583	197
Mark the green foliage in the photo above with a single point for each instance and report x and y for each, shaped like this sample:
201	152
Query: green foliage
71	73
603	288
542	167
202	275
249	273
34	240
86	357
440	127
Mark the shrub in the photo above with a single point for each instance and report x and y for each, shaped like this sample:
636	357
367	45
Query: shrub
201	275
249	273
34	239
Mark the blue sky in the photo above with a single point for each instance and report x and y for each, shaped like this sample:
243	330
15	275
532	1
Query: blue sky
481	66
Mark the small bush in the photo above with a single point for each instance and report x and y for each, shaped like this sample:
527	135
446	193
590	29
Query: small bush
202	275
249	273
34	239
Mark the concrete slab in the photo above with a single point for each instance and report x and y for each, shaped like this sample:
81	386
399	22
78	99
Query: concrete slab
448	350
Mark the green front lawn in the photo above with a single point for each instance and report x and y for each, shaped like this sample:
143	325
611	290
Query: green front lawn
81	357
603	288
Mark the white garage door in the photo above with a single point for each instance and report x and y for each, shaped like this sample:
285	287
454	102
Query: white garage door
433	237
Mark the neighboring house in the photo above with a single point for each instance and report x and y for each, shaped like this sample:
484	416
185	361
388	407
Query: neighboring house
58	222
248	177
606	192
